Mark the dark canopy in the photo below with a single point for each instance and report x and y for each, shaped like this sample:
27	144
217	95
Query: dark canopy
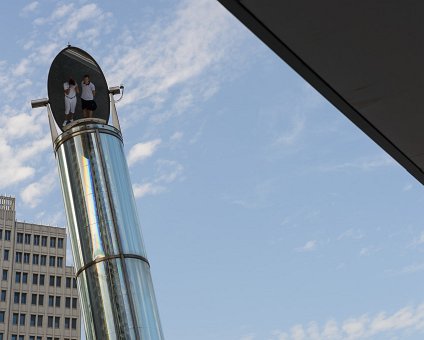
365	57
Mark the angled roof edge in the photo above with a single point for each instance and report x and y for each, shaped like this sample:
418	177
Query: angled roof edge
284	52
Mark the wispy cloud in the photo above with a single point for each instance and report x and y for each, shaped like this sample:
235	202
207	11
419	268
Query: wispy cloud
35	191
412	268
408	319
31	7
351	233
366	251
173	63
291	135
360	164
248	337
141	190
307	247
142	151
167	172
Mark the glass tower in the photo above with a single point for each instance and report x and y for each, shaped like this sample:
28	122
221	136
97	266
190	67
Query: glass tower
112	270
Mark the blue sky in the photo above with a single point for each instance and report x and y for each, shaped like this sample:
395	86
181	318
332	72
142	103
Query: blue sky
266	214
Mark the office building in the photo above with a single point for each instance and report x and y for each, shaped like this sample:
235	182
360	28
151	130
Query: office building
38	295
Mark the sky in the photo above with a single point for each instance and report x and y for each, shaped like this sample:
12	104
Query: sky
266	214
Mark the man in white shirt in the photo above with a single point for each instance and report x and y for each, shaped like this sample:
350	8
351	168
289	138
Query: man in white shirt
88	91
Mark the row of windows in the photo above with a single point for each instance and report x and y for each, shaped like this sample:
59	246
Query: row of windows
37	320
36	259
39	299
32	337
26	238
38	279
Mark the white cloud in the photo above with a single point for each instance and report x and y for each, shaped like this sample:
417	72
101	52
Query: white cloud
406	320
292	135
412	268
248	337
141	190
22	67
183	50
31	7
361	164
34	192
166	173
308	246
142	151
366	251
355	234
177	136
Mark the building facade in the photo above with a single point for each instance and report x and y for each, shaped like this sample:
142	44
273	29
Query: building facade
38	292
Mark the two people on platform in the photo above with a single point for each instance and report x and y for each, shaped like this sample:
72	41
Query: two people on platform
88	92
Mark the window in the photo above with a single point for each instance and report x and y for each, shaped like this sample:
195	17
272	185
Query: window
18	277
33	321
52	242
23	298
68	282
6	255
67	323
50	322
32	337
57	322
57	301
74	302
58	281
2	316
27	238
39	321
52	261
1	234
22	319
68	302
60	242
51	300
21	337
3	295
36	240
18	257
75	283
4	276
7	235
14	336
25	278
16	297
60	262
26	257
41	300
33	299
74	323
15	318
42	276
35	258
19	238
43	260
35	279
51	281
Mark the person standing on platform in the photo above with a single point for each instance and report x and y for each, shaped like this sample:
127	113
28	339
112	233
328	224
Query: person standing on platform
88	92
70	89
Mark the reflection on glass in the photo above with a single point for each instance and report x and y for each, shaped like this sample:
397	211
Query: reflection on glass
75	74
